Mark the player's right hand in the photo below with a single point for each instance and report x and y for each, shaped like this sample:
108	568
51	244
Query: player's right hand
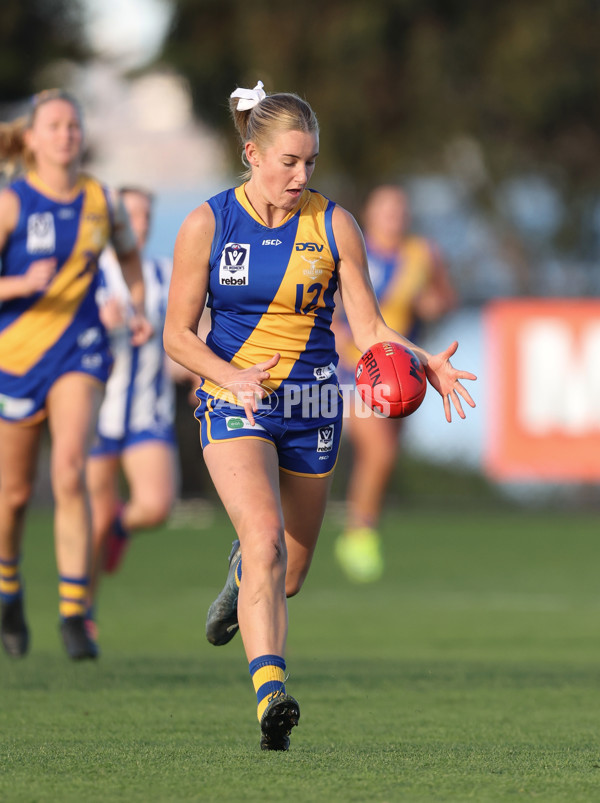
39	275
248	385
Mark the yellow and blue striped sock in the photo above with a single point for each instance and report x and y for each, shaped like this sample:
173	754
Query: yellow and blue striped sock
238	573
10	580
73	592
268	676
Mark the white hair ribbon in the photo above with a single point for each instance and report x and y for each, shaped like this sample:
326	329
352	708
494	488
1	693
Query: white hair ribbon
248	98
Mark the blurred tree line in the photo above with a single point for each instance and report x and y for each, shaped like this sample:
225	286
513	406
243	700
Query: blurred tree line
478	91
395	81
33	35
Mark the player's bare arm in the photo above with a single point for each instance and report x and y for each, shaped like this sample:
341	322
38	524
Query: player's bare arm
128	255
131	267
9	214
40	272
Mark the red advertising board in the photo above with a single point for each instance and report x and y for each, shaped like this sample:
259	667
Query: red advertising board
543	360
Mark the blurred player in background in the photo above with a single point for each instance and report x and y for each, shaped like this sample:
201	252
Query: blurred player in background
271	342
412	285
54	351
136	431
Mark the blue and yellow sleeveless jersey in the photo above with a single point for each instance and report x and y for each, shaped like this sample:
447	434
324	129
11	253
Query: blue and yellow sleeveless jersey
271	289
398	278
46	334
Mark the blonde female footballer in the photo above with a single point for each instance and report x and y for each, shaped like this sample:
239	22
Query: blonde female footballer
54	351
269	256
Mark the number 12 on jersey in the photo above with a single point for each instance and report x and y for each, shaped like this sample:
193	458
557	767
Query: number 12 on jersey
314	291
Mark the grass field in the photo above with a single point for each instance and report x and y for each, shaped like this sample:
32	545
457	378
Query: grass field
470	672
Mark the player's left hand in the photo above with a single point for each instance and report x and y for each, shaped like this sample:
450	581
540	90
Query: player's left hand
445	379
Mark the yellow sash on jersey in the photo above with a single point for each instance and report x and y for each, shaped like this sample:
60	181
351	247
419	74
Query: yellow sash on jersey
29	337
281	329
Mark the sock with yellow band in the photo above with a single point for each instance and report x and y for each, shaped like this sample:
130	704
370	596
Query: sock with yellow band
10	580
78	642
73	592
14	632
268	677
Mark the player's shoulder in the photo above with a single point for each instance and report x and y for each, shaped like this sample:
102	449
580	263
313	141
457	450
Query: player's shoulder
223	198
10	207
200	217
16	192
317	198
344	224
9	195
198	227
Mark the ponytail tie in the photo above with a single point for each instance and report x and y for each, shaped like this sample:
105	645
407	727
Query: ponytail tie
248	98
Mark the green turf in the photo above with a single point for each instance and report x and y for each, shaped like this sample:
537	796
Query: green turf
470	672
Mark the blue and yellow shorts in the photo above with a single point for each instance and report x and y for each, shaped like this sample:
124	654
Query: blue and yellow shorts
23	398
306	436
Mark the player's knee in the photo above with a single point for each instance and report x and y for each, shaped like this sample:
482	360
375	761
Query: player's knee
267	553
16	497
68	478
157	512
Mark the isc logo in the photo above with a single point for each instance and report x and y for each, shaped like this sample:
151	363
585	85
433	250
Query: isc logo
271	242
309	247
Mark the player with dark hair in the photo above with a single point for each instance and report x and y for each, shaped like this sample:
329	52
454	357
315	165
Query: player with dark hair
270	255
54	350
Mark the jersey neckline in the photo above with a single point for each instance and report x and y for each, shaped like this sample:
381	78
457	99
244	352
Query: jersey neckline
36	182
242	199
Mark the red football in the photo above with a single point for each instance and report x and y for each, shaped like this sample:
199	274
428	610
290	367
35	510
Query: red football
391	380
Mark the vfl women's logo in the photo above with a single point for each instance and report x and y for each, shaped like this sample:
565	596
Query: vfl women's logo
325	439
41	235
235	260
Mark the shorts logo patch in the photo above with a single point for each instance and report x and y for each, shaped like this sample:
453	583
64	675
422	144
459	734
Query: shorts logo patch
91	361
41	236
324	372
89	336
235	261
325	438
233	422
15	408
